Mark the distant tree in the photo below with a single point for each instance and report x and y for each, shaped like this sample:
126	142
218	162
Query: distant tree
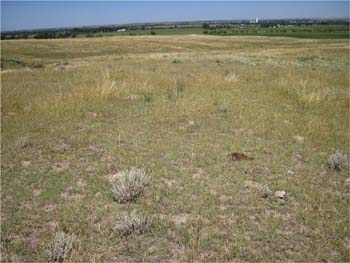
205	26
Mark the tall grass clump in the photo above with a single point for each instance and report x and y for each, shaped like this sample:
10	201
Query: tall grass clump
231	77
133	222
60	247
129	186
309	93
106	85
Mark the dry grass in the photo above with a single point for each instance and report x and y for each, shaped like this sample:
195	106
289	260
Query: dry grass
120	102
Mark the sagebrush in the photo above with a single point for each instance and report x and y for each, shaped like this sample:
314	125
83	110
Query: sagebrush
133	222
130	185
61	246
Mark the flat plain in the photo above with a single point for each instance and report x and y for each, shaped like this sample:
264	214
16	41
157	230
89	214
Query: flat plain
77	112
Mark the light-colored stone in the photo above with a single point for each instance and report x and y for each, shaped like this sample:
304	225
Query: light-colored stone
25	163
290	172
280	194
298	138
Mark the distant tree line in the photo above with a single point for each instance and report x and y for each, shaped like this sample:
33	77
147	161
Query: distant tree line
66	33
39	35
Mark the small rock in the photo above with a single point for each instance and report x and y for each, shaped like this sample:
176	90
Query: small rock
92	114
299	138
280	194
25	163
290	172
191	123
36	192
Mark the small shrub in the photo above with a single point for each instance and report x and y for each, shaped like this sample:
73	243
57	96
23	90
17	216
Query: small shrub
60	247
129	186
153	33
337	161
131	223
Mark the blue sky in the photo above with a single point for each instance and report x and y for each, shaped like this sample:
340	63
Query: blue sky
16	15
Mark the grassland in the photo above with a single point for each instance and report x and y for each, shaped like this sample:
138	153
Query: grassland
175	106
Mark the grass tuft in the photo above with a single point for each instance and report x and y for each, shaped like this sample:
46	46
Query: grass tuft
107	85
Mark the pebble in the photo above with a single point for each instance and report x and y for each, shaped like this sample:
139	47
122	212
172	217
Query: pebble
290	172
280	194
299	138
25	163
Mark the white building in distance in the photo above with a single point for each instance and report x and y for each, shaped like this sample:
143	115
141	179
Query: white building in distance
254	21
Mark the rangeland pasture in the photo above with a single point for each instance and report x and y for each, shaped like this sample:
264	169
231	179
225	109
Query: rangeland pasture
76	113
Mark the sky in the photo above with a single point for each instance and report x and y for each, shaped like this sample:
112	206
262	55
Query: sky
18	15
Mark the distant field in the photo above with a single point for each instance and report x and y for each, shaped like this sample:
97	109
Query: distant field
298	32
78	112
